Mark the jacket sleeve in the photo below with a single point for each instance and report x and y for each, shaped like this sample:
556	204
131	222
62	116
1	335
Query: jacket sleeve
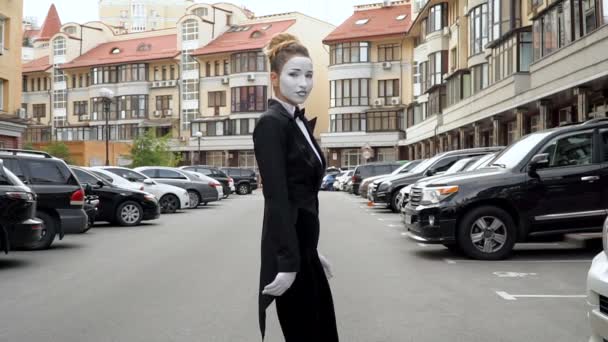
269	139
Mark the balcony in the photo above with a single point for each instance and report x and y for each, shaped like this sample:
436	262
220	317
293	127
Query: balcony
352	70
422	130
360	139
163	84
245	79
214	143
437	41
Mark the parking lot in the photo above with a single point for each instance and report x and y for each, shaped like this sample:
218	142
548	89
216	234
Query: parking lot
192	276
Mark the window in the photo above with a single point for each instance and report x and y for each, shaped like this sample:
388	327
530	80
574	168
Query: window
190	89
98	109
437	66
226	67
207	69
190	30
354	122
188	62
351	158
201	12
217	99
80	108
59	99
2	34
133	106
187	116
352	52
248	99
47	172
247	159
2	94
216	158
388	89
459	88
349	92
59	46
384	121
573	150
437	99
478	29
437	18
216	68
39	110
390	52
248	62
127	73
164	103
479	75
170	174
84	177
58	75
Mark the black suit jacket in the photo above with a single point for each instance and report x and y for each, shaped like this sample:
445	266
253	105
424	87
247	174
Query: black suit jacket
291	176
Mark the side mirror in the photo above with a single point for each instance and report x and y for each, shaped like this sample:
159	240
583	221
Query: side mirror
100	184
429	173
87	188
148	181
539	161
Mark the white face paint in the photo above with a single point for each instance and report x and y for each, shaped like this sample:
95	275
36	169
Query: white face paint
295	81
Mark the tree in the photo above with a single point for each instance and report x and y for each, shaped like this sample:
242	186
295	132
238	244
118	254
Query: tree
60	150
149	150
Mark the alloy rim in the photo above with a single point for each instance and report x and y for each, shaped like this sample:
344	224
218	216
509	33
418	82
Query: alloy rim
488	234
193	199
243	189
130	213
169	203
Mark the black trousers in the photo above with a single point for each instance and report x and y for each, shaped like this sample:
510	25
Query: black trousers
306	310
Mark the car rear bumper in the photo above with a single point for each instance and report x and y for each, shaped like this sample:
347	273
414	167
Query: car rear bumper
24	233
72	221
426	225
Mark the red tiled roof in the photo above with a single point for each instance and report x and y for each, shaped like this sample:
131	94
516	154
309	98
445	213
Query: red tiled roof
150	48
382	22
243	40
40	64
51	25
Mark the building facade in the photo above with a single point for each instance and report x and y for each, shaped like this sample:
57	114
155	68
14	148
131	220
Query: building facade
504	69
12	124
175	81
369	76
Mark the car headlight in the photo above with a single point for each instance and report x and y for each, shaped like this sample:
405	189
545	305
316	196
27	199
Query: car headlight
150	197
605	237
438	194
385	186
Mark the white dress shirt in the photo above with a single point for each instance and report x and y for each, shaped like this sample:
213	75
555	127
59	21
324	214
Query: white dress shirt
291	109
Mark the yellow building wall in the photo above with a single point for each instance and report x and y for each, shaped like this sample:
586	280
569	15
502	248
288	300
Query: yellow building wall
93	153
10	60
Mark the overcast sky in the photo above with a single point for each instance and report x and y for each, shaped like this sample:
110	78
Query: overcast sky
80	11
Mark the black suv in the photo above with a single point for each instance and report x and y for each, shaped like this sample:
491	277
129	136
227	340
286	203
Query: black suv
547	183
371	170
387	190
60	195
245	180
215	173
18	227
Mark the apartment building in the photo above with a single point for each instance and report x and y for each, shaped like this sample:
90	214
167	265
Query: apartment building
507	68
11	123
163	80
370	69
234	85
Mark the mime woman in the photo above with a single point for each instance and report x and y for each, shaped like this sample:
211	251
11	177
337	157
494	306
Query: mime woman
292	166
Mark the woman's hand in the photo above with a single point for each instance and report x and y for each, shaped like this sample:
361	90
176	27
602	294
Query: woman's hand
282	282
326	266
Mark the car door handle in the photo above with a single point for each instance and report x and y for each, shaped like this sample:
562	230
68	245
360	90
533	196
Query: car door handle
590	178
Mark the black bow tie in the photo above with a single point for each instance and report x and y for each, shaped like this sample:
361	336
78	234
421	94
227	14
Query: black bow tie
299	113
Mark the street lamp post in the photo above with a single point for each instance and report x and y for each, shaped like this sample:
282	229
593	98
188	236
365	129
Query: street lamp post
107	95
198	136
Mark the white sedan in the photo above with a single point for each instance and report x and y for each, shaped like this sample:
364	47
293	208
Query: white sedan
597	292
171	198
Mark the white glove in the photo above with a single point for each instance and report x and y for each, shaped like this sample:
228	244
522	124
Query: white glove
282	282
326	266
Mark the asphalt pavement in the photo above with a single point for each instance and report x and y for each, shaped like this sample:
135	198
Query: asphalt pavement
192	276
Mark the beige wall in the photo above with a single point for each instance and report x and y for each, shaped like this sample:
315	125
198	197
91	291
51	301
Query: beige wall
168	12
10	60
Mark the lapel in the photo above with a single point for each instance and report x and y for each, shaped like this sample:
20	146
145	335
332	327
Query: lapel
302	141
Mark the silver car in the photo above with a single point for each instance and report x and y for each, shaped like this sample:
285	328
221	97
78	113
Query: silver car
199	191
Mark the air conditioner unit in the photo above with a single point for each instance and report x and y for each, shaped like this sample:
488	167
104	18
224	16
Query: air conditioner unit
446	31
183	139
251	77
21	113
379	102
85	117
157	113
395	101
123	114
225	80
156	84
169	112
387	65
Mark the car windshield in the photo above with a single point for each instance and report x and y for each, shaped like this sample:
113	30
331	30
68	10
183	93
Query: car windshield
458	166
11	179
517	151
482	162
424	165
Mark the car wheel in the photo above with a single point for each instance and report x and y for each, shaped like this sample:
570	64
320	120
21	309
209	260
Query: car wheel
195	199
169	203
395	202
487	233
129	214
49	231
243	189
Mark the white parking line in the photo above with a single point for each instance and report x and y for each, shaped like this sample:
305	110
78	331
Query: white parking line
506	296
567	261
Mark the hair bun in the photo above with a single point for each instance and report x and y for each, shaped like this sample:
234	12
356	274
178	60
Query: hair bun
278	42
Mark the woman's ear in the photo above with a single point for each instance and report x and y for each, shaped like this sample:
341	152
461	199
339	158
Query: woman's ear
274	79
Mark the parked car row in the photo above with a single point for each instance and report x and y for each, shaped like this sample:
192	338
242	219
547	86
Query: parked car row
41	197
481	201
